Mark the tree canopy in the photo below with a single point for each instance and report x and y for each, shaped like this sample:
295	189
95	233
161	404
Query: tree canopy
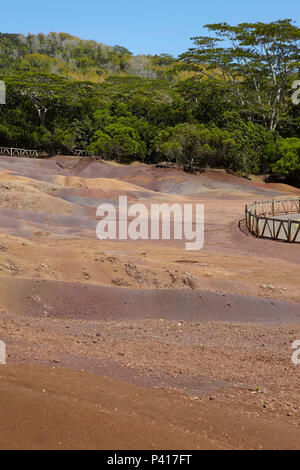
230	101
257	62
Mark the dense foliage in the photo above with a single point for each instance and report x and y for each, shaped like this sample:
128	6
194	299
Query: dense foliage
217	105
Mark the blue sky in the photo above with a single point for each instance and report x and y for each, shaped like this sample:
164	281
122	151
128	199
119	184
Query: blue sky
149	27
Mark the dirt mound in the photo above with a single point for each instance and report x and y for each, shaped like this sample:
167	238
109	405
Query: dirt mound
144	176
95	183
47	408
88	301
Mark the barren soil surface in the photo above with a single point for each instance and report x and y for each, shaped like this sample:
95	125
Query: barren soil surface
143	344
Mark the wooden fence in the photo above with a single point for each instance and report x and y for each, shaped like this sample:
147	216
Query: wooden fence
274	219
81	153
15	152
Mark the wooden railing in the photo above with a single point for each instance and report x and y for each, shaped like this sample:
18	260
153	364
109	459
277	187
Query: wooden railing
16	152
265	219
81	153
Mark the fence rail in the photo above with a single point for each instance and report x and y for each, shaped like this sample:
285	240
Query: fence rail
270	219
81	153
15	152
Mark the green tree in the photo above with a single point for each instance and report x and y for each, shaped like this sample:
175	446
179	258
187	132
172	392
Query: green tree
193	144
256	61
102	144
288	163
118	142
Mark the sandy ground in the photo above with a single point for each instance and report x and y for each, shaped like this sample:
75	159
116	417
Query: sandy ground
140	344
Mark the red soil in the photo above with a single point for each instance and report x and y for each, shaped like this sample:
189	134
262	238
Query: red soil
216	325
